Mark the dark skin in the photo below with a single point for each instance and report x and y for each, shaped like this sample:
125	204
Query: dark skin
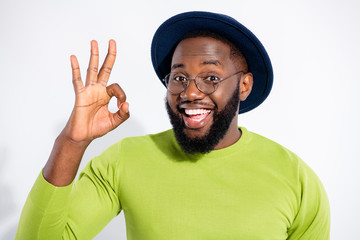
91	118
205	54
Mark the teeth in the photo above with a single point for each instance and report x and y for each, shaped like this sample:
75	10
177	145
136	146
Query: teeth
197	111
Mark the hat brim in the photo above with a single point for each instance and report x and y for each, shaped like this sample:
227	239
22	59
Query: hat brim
171	32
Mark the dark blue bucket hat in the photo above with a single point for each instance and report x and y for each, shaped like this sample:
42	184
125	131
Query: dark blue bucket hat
172	30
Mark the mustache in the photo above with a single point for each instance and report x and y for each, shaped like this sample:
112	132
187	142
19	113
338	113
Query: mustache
199	103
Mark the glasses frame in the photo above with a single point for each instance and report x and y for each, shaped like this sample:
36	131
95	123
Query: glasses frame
188	80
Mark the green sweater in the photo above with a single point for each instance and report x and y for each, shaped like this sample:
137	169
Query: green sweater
253	189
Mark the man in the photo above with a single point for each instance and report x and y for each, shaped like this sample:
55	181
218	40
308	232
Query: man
204	179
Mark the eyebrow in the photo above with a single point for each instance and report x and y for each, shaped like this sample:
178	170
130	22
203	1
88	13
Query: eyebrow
209	62
177	65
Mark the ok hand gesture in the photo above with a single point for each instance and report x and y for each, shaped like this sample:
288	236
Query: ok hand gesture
90	117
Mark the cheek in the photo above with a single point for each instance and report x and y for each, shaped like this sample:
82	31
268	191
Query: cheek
172	101
224	93
220	98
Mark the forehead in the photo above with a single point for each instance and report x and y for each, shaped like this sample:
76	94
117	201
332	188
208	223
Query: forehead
201	48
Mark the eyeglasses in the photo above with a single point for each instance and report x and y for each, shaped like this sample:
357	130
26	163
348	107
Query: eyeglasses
206	82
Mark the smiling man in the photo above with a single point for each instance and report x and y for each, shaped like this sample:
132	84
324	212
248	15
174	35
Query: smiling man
203	112
206	178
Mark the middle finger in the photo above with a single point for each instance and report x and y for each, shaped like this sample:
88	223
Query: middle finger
91	76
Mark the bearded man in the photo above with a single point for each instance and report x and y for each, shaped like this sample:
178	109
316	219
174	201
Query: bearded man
206	178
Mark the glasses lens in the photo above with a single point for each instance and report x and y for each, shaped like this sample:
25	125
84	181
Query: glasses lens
175	82
206	82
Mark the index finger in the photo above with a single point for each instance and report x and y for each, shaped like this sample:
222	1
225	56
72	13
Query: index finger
114	90
108	64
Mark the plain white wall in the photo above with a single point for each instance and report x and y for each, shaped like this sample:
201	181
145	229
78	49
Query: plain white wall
313	108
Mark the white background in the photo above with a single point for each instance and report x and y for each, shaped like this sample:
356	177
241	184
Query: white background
313	108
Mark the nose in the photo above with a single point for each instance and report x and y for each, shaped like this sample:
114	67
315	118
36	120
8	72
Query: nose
191	92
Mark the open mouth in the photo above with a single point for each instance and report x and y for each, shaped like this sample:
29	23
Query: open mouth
197	114
196	118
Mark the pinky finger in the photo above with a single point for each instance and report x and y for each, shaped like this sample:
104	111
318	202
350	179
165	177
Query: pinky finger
76	77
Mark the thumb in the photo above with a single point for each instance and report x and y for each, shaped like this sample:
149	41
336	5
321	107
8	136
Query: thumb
121	115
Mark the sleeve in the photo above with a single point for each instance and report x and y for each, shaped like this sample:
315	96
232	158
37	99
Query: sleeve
78	211
313	218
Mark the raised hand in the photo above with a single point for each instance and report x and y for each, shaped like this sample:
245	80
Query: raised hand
90	117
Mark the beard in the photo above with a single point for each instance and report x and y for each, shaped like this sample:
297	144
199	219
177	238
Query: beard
218	129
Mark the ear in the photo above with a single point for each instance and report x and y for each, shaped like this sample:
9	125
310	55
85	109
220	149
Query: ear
246	84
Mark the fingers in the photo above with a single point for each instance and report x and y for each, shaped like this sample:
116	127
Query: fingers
122	115
114	90
92	70
92	76
76	77
108	64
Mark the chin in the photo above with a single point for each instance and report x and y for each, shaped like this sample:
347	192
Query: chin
194	133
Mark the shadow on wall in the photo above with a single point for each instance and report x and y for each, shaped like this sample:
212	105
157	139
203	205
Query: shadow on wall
114	230
7	206
10	233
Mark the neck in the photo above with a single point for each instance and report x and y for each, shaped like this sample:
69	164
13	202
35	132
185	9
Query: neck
232	136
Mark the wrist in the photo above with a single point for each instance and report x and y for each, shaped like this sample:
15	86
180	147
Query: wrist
71	140
64	160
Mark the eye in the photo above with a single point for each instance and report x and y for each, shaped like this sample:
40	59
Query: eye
179	78
211	78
